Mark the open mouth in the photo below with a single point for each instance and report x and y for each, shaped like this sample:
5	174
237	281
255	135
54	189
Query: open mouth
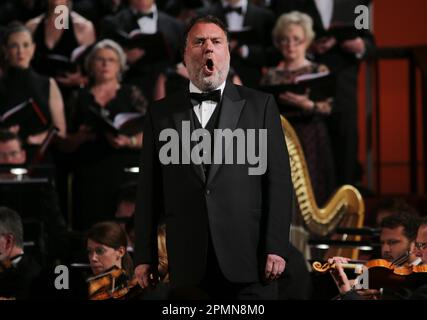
209	64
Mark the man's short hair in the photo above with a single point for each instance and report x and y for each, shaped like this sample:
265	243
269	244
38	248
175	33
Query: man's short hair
409	222
6	136
204	19
11	222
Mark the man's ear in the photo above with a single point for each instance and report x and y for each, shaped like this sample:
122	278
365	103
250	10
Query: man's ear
10	241
121	251
412	246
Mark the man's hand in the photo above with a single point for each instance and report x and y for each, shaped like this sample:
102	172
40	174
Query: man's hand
299	100
133	55
323	45
72	79
146	275
356	46
274	267
119	141
338	274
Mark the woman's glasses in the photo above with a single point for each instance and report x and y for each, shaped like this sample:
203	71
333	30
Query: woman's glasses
421	245
294	41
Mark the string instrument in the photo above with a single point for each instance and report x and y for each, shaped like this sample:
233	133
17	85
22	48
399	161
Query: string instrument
345	208
383	273
113	284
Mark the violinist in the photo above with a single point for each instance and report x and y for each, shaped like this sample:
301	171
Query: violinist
418	250
17	269
421	242
421	252
397	237
109	258
106	247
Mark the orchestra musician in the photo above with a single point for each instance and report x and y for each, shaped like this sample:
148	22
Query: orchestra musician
417	257
108	258
17	269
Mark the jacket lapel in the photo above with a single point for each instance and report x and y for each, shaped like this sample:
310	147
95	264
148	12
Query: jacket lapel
184	113
232	106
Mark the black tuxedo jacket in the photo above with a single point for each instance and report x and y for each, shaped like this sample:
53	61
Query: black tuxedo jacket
261	20
169	27
16	282
247	216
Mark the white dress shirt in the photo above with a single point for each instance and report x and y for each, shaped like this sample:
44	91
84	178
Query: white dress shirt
235	20
204	110
148	25
325	8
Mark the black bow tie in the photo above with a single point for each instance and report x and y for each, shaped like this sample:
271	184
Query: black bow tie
205	96
229	9
140	15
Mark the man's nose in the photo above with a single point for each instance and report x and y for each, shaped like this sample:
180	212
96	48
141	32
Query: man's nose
93	257
208	45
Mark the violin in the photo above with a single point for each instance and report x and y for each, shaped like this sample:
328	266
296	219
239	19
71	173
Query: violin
383	273
113	284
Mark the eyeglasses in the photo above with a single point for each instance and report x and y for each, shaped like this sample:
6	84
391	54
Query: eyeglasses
105	60
294	41
421	245
100	251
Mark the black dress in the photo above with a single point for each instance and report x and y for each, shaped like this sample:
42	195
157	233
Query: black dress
312	132
19	85
98	168
64	48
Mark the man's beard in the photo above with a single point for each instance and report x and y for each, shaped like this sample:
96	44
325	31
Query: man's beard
209	83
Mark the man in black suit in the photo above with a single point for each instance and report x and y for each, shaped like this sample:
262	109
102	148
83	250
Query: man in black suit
248	52
19	270
143	15
227	231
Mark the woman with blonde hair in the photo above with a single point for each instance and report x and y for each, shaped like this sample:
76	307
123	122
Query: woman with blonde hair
292	35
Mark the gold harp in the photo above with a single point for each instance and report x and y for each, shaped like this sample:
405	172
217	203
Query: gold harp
345	208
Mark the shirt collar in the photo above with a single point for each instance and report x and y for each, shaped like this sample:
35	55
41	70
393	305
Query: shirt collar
194	89
17	259
241	3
